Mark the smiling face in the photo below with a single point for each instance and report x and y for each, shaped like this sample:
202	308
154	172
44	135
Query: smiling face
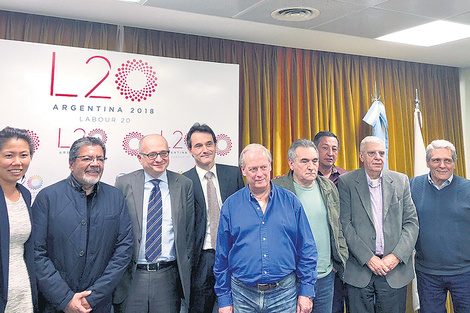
153	144
203	150
305	166
15	158
441	165
373	157
88	167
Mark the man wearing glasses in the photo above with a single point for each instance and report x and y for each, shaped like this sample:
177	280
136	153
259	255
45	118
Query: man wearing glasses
380	225
161	207
83	241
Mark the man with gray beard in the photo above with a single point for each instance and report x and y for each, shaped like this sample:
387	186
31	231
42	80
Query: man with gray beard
84	239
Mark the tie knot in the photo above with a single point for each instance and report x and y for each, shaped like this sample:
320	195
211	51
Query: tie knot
209	175
155	182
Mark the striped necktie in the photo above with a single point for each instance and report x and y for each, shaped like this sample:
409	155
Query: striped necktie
153	244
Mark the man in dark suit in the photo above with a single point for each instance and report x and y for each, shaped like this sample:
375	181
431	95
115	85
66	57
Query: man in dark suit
380	225
161	206
226	180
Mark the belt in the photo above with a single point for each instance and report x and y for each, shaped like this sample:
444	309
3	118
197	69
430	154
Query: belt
266	287
155	266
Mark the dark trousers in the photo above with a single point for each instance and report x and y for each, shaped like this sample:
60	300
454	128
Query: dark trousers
377	297
340	296
155	292
202	286
432	290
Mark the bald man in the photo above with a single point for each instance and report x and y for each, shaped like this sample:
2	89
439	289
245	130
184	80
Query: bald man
161	207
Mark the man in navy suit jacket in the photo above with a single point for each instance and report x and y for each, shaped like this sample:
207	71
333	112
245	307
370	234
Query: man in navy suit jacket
226	180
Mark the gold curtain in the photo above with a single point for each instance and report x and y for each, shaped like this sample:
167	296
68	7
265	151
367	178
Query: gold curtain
286	93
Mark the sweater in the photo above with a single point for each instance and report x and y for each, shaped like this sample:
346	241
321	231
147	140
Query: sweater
443	246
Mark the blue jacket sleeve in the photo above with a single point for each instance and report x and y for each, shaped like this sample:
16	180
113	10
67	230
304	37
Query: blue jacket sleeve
51	284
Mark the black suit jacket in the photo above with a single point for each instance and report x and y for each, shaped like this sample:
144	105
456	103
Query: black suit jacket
5	249
230	181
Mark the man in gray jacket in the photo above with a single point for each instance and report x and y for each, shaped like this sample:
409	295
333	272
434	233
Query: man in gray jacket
380	225
320	199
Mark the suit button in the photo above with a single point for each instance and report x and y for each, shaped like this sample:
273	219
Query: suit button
82	253
83	222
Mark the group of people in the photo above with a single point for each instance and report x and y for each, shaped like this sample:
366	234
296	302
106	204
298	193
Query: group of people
316	239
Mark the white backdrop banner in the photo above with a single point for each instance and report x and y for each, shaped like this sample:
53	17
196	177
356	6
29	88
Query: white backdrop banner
60	94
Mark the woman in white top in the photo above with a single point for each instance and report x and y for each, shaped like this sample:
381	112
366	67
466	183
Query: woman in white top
18	292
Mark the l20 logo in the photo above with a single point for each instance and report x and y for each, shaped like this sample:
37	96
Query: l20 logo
136	80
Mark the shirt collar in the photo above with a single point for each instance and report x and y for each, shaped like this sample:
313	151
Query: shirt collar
444	184
163	177
333	171
374	182
202	172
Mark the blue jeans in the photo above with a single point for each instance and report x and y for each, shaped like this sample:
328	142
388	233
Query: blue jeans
432	290
281	299
323	302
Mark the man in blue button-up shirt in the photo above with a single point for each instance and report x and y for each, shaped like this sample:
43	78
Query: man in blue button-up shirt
265	247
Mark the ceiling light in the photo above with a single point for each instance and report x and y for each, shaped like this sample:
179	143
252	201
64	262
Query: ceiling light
430	34
296	14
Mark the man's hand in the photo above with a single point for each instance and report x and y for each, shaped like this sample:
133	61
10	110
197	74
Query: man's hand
79	304
304	305
391	261
226	309
377	266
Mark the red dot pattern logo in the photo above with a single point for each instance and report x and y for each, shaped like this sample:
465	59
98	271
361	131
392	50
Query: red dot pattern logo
125	143
223	138
123	75
35	139
101	133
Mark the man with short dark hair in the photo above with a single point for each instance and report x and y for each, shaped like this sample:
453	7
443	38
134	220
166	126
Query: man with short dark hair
161	206
443	247
264	245
327	144
380	225
83	235
328	147
212	184
320	199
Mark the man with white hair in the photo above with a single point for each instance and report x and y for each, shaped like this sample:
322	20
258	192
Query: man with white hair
443	247
380	225
264	245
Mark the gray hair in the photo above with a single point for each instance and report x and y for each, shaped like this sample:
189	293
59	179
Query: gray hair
291	155
254	146
440	144
85	141
369	139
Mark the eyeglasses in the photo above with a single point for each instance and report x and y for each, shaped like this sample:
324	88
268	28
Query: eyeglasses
154	155
89	159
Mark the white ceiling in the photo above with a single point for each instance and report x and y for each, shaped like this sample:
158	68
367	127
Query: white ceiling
346	26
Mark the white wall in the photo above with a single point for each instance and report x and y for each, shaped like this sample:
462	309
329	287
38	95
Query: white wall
465	102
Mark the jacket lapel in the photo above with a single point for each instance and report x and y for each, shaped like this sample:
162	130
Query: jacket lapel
362	189
388	190
137	186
